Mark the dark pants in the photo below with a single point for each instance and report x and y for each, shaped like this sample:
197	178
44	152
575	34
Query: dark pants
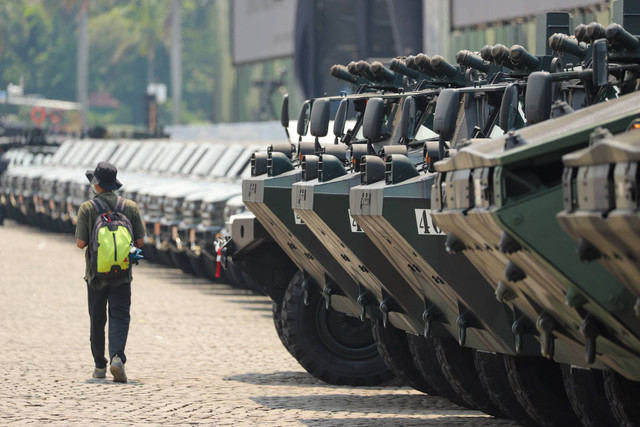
119	301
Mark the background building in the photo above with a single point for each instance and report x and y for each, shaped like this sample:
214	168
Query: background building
232	60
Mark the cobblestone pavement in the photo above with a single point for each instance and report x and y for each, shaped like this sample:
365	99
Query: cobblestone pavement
198	353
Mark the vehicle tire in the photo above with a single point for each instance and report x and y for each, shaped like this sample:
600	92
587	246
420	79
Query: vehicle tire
459	369
585	388
425	359
333	347
209	264
241	279
163	257
181	260
537	383
393	346
198	266
623	396
277	322
150	253
493	377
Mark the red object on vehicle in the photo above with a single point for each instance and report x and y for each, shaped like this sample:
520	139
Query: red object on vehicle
218	262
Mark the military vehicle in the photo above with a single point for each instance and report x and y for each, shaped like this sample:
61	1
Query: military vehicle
498	200
193	215
348	354
472	309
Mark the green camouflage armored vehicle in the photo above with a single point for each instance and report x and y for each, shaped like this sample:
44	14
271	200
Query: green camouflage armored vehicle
347	352
497	202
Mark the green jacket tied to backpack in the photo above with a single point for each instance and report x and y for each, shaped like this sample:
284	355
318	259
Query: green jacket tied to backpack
115	236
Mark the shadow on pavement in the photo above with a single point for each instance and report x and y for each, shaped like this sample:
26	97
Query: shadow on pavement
449	420
286	378
109	381
390	403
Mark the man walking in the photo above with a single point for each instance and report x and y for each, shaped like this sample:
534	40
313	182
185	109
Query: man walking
112	291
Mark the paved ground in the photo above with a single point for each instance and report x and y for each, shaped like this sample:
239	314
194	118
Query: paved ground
199	353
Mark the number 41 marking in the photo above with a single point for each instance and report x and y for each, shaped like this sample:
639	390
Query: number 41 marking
425	224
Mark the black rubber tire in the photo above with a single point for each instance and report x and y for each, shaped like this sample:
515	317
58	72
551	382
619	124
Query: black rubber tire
242	279
198	267
624	397
493	377
537	383
393	346
311	332
425	359
585	388
209	264
276	311
459	369
150	253
165	258
182	261
233	277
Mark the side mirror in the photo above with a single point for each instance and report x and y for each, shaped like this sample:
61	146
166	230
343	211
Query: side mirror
446	113
284	114
509	107
600	63
408	119
320	117
372	121
303	119
537	103
341	118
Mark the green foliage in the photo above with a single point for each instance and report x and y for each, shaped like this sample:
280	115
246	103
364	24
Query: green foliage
35	46
129	43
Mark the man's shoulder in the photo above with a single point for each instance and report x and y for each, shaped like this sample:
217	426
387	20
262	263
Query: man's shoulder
130	204
86	206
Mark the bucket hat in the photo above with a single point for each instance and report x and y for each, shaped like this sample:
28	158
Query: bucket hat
104	175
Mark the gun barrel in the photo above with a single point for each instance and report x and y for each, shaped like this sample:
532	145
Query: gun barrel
351	67
423	63
380	72
520	56
469	59
399	66
410	61
596	31
500	52
617	35
442	66
581	33
341	72
564	43
364	69
485	53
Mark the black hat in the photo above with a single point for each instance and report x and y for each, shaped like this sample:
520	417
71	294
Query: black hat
105	176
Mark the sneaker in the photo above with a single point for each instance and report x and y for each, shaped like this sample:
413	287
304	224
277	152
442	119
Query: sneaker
100	373
117	370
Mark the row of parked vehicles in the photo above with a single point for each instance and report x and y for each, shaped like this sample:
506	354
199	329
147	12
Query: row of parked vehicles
474	232
184	190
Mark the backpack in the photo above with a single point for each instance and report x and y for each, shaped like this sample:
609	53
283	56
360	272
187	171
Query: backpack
111	240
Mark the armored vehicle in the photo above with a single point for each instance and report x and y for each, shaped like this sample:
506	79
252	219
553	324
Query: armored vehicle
497	202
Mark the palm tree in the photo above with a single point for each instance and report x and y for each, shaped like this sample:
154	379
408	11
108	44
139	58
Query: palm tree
148	22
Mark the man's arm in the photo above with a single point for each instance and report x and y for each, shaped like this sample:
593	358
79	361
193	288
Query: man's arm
82	226
138	228
138	242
